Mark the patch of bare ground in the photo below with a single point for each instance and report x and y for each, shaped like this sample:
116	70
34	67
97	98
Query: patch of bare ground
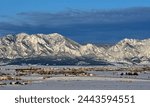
7	79
55	71
79	71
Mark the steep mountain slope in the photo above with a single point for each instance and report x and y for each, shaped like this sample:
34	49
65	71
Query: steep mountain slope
130	50
23	45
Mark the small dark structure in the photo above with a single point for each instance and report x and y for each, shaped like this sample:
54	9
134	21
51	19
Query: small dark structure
130	73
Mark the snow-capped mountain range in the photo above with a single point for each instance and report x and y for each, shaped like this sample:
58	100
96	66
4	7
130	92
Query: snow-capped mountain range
57	49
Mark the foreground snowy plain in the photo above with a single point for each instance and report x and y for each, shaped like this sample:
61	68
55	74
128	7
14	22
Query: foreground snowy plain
109	80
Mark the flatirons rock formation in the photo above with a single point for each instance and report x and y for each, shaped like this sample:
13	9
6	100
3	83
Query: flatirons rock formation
55	49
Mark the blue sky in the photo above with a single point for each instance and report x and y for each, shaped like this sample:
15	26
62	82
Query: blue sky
15	6
96	21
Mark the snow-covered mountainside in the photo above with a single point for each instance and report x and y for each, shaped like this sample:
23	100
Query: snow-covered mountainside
57	49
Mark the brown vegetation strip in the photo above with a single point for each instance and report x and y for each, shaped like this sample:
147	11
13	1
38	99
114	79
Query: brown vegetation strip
81	69
43	71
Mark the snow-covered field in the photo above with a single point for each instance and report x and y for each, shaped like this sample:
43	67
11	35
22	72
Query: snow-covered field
101	80
83	84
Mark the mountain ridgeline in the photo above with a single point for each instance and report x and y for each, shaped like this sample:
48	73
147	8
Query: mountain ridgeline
55	49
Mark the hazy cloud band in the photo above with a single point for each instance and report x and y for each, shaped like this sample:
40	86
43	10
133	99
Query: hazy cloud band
94	26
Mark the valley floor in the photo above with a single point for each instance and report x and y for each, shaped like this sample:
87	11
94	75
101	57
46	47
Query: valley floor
85	78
